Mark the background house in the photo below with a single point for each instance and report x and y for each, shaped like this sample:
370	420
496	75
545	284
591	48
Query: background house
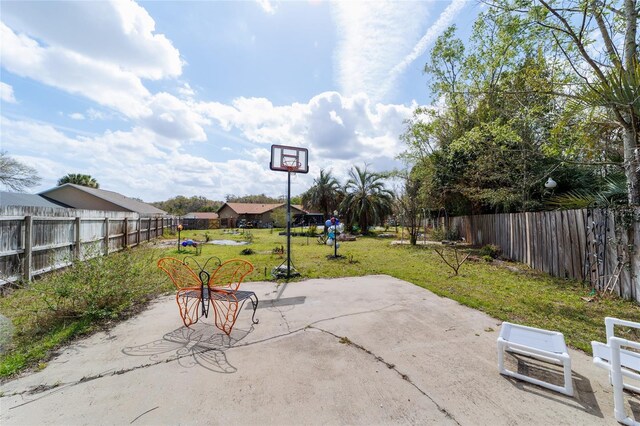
82	197
200	220
258	215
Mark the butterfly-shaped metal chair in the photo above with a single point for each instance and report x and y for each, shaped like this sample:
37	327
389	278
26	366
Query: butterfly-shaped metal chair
225	295
195	291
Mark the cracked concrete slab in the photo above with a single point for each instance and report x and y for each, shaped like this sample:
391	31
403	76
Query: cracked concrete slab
367	350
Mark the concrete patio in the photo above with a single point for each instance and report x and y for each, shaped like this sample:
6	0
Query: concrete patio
368	350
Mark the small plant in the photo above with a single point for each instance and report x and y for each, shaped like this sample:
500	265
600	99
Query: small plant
247	252
311	230
207	237
455	261
278	250
248	236
490	250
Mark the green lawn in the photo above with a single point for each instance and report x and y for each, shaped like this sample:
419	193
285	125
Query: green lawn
55	309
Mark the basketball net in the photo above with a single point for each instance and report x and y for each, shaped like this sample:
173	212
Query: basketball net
292	166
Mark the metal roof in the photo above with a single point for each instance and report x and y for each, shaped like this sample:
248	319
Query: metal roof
112	197
26	200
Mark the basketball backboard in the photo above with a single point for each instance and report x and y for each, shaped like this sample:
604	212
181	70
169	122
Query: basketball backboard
289	159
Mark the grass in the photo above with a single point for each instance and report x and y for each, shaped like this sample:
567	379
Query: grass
58	307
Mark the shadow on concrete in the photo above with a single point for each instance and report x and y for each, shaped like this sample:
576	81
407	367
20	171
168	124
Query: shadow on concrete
201	344
583	399
278	303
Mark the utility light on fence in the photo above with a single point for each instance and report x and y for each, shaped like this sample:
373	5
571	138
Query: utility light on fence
550	184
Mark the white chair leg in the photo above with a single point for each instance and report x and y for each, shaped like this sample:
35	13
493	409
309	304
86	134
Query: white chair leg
618	385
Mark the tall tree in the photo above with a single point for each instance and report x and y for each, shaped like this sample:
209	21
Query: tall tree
79	179
15	175
366	199
324	195
609	77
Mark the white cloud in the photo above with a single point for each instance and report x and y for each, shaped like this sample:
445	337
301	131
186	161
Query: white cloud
378	41
6	93
372	38
331	125
99	50
102	82
267	6
445	19
76	116
174	118
114	32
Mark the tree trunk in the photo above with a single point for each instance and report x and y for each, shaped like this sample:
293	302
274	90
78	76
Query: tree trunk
632	163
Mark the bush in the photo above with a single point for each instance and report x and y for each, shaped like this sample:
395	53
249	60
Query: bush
311	231
441	234
63	304
491	251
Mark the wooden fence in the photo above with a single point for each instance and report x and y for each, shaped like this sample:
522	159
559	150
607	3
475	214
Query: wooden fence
35	240
599	246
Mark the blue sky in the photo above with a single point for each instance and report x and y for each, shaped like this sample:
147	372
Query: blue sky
158	99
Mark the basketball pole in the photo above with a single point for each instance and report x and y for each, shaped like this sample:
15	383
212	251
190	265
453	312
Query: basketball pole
288	224
288	236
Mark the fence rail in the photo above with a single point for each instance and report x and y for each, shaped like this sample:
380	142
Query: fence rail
599	246
35	240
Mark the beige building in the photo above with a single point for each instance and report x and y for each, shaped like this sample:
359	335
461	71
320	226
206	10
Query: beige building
254	215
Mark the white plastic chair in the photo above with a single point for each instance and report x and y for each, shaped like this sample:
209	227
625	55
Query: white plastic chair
544	345
620	363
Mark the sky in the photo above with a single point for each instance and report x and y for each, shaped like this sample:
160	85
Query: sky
158	99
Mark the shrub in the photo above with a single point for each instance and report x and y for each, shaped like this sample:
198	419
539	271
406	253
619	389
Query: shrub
491	250
441	234
311	231
69	302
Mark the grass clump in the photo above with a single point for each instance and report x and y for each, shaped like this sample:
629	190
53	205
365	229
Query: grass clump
65	304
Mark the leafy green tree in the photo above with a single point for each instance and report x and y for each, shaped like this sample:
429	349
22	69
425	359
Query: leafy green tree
409	205
608	77
15	175
79	179
367	201
258	199
324	195
182	205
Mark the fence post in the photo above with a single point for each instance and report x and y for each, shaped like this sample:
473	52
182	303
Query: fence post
106	236
28	246
125	240
78	247
156	232
139	230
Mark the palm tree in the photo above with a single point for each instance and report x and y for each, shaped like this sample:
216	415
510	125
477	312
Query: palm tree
324	195
79	179
367	200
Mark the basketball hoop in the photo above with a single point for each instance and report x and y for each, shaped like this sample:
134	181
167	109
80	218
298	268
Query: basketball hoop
292	166
290	159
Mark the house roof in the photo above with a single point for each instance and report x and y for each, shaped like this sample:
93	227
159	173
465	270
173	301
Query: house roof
27	200
201	215
254	208
120	200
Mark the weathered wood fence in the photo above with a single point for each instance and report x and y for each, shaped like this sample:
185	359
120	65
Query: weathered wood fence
35	240
599	246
